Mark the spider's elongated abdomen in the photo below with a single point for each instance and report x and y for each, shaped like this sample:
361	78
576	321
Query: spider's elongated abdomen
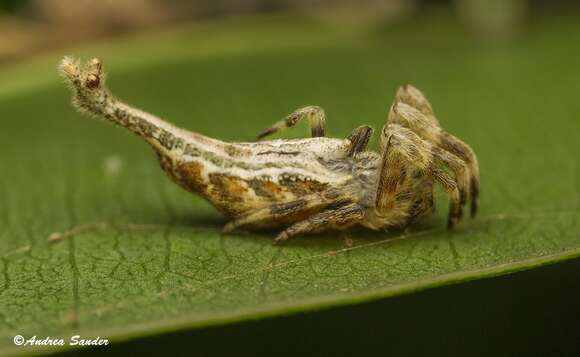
239	177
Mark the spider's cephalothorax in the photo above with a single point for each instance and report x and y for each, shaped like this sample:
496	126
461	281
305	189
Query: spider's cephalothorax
305	185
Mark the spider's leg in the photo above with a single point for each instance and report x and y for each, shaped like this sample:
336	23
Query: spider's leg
465	153
412	96
315	116
423	202
279	211
413	111
340	217
409	163
359	139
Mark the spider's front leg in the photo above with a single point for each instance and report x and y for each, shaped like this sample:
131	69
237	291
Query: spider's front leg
412	110
416	153
315	116
409	166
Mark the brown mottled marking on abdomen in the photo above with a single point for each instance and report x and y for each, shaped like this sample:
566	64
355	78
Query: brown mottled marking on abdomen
191	177
234	185
230	194
268	190
228	187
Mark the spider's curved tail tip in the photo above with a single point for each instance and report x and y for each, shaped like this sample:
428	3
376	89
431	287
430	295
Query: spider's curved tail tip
68	67
89	74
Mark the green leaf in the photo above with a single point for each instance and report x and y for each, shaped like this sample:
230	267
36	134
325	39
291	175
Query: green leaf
146	257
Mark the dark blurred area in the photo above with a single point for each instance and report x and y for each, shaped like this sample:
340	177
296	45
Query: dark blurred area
29	26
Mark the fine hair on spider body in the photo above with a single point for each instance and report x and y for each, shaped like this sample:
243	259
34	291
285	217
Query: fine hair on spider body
304	185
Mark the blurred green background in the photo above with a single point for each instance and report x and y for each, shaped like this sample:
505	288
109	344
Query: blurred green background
29	26
503	75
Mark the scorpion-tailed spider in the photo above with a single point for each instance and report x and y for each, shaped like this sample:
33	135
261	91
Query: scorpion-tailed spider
304	185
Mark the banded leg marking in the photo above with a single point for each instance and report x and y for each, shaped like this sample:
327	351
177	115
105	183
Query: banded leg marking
315	116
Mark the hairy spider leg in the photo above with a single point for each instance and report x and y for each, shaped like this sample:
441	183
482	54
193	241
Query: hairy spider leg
315	116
